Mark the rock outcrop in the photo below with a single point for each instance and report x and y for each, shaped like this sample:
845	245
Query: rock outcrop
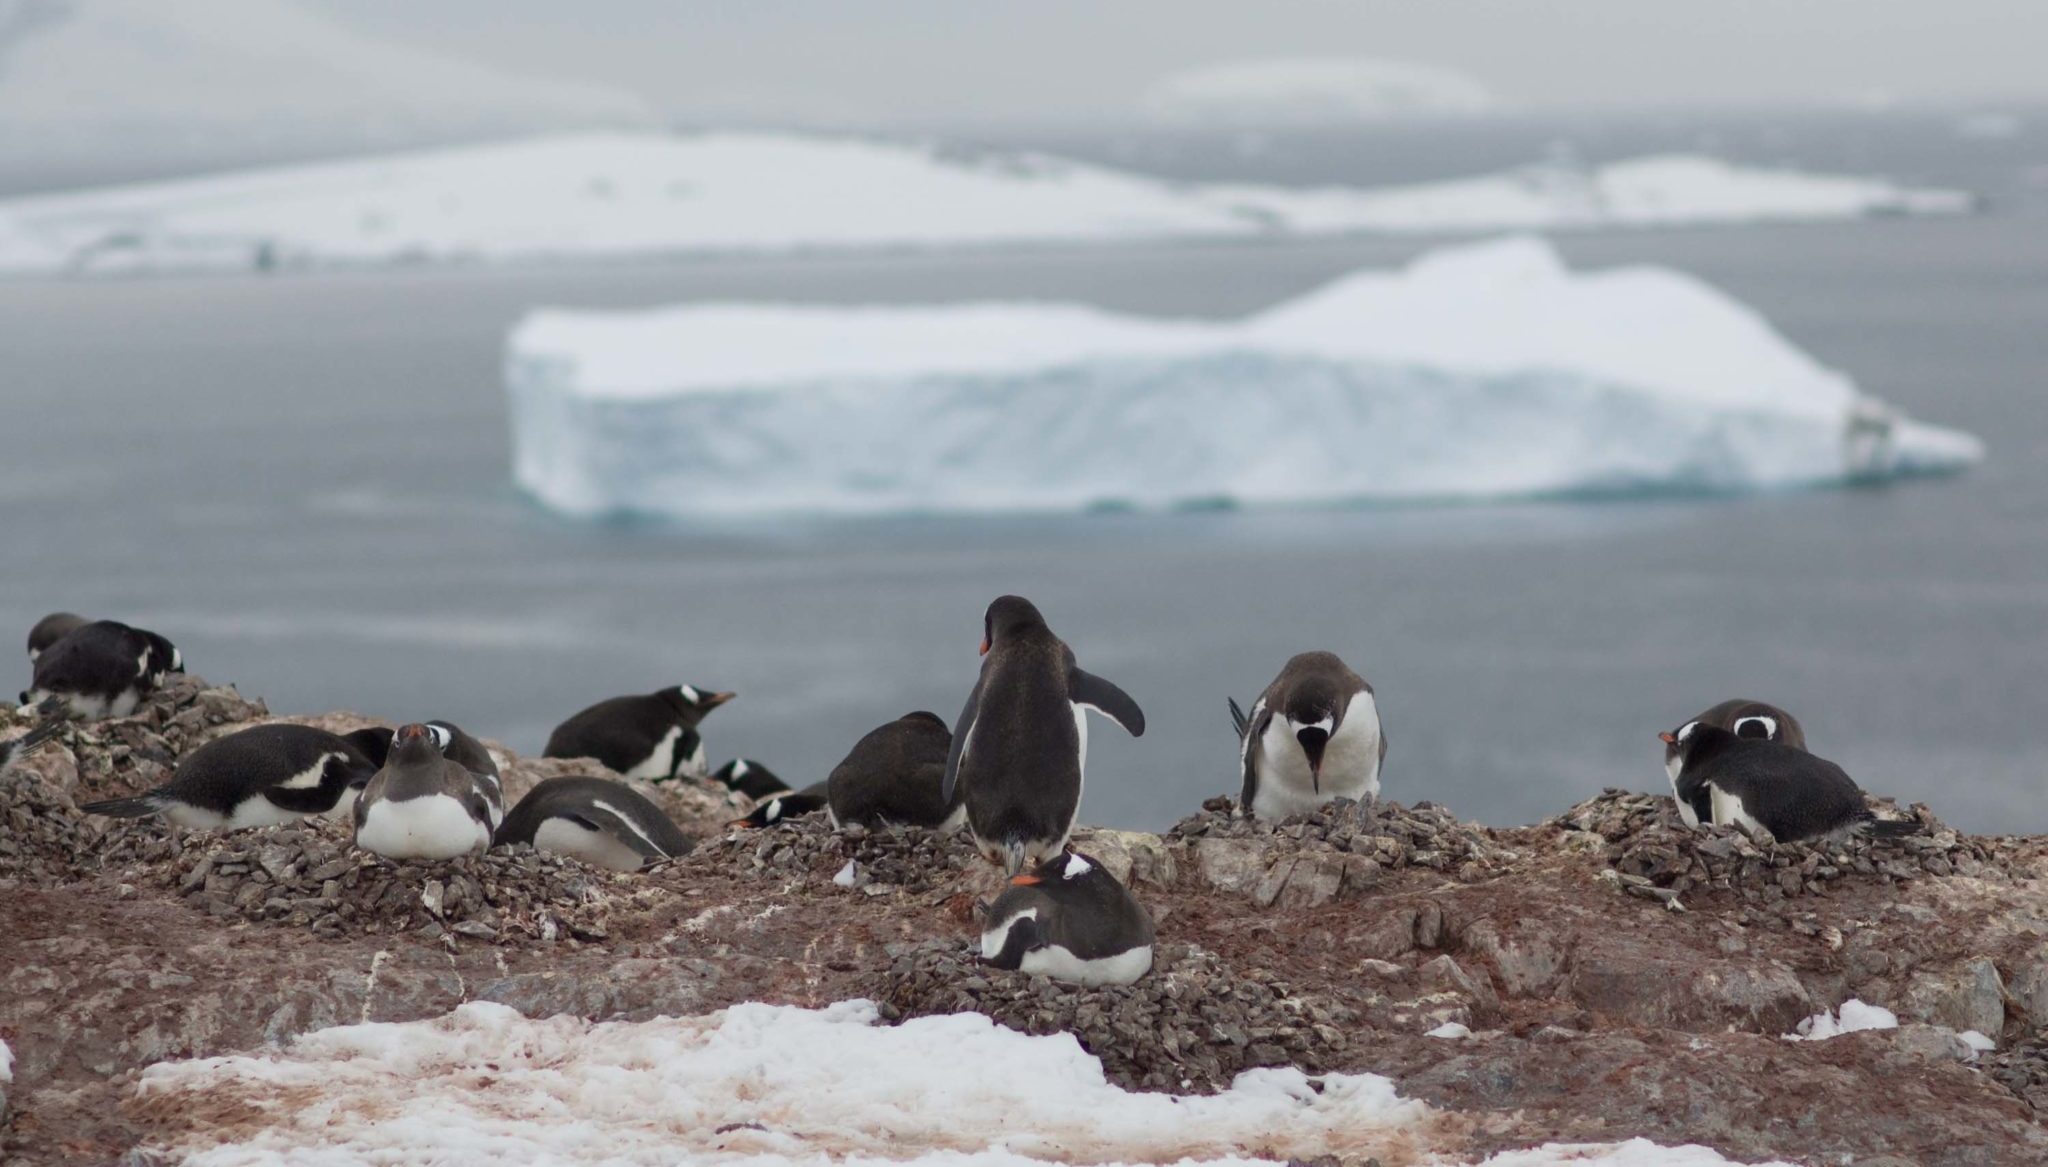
1610	972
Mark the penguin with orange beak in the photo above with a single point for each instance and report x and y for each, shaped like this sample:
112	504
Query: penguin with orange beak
1072	921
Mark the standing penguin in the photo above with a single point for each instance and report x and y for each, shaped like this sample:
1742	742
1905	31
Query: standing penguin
1756	782
1020	745
1743	718
652	736
1313	735
1072	921
258	777
102	669
604	823
423	804
17	749
51	629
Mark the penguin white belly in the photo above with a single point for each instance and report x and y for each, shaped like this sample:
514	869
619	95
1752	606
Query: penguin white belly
596	848
254	811
345	806
1351	762
1062	965
1351	766
660	760
695	765
1685	811
1729	812
434	827
953	822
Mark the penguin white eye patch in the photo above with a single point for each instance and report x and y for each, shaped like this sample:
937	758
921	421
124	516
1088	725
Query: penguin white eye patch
1770	725
691	694
1076	868
1686	731
442	738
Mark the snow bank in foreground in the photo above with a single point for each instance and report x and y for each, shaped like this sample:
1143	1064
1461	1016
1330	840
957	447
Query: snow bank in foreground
616	194
1852	1017
764	1085
1484	371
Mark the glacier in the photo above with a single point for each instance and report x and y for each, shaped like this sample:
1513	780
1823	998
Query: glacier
1482	371
625	194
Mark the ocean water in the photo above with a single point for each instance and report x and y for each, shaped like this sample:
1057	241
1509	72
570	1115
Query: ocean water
304	481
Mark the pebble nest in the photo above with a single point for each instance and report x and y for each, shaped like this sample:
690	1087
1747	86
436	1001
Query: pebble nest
909	859
2022	1068
314	877
1654	855
1191	1025
1394	836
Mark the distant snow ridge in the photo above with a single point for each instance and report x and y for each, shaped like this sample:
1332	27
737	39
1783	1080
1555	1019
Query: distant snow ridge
1478	372
1311	91
628	194
771	1086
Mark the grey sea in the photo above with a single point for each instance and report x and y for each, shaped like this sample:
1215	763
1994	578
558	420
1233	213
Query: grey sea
304	481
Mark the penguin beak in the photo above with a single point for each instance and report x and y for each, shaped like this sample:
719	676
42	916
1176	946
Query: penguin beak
411	732
714	700
1025	881
1668	738
983	651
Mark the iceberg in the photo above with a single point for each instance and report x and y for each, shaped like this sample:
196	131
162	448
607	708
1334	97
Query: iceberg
621	194
1314	91
1483	371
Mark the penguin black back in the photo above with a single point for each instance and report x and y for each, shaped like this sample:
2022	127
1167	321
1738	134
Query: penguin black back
595	819
750	778
49	630
896	773
103	669
1787	791
261	776
651	735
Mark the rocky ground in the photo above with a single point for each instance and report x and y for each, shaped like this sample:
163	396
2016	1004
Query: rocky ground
1621	975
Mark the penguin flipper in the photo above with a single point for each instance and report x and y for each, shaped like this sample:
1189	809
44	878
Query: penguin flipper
1237	717
1023	936
1248	740
1085	688
956	752
1877	828
141	806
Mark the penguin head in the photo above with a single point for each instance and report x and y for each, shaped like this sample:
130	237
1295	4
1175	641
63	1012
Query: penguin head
51	629
1067	869
1692	740
693	703
417	743
1007	617
926	717
163	657
1757	725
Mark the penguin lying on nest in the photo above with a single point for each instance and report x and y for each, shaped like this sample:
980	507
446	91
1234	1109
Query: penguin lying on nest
1072	921
893	774
423	804
652	735
604	823
258	777
1743	718
1759	783
100	669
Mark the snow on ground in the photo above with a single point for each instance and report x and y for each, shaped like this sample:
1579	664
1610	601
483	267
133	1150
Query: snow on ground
1481	371
766	1085
144	74
1852	1017
622	194
6	1062
1314	91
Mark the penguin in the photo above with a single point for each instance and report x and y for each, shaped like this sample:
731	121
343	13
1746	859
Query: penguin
1314	735
1743	718
460	747
653	736
604	823
783	806
423	804
748	777
102	669
258	777
1021	742
17	749
1072	921
895	774
51	629
1757	782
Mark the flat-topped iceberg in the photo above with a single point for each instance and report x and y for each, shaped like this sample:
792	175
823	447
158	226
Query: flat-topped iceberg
633	194
1482	371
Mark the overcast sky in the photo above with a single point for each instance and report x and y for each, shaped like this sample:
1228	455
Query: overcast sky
934	60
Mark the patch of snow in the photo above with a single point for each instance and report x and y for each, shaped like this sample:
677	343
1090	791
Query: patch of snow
766	1086
1978	1041
847	874
99	74
1314	91
1481	371
623	194
6	1062
1853	1016
1450	1030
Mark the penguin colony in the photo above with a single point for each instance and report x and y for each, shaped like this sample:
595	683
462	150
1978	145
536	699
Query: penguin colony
1011	770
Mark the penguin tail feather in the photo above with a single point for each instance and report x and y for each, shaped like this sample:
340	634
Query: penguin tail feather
37	736
141	806
1877	828
1238	718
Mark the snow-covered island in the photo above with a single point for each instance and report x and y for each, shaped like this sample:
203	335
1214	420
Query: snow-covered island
1482	371
620	194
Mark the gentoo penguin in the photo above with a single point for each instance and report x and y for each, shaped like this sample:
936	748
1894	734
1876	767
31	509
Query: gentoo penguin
259	777
895	774
423	804
653	736
604	823
1021	742
49	630
17	749
1743	718
102	669
783	806
458	746
748	777
1313	736
1756	782
1072	921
